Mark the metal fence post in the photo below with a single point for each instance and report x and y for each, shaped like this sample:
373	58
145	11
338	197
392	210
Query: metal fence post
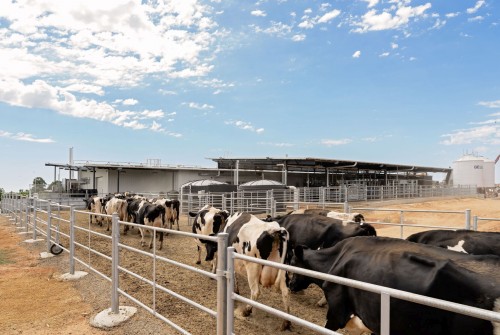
401	221
385	313
222	240
72	240
230	289
346	206
28	200
115	238
34	218
49	226
475	223
467	218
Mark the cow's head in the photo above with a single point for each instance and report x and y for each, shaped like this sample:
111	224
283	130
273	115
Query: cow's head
88	203
209	221
298	282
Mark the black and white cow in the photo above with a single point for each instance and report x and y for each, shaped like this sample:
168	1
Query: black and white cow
355	217
468	241
422	269
208	221
119	206
151	215
253	237
176	207
95	205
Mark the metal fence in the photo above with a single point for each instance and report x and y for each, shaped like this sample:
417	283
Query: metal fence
45	220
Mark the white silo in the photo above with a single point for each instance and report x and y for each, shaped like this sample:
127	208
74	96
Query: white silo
474	170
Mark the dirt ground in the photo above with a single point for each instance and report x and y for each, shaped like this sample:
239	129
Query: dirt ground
33	300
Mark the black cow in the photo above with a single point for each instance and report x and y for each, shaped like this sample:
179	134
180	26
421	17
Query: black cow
427	270
317	231
208	221
152	215
468	241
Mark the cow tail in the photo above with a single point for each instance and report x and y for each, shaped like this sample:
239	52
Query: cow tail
283	248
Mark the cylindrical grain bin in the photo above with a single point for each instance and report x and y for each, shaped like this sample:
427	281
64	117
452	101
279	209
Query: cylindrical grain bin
474	170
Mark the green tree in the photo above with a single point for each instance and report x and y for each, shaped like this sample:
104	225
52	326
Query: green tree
38	185
55	186
2	192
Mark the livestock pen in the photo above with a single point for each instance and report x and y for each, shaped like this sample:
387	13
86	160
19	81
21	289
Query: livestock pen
146	274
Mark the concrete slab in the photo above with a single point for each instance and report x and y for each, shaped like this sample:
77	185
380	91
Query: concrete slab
107	319
33	241
77	275
46	255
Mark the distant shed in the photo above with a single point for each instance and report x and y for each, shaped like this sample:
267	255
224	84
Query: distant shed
262	185
207	185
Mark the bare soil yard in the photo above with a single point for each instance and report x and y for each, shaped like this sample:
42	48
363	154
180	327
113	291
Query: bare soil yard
34	301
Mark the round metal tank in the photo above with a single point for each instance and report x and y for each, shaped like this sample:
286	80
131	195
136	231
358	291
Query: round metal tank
474	170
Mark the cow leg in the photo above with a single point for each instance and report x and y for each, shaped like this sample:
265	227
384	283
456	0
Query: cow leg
285	295
253	274
355	326
141	230
199	255
322	302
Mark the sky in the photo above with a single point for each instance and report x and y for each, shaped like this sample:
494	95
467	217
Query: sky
183	81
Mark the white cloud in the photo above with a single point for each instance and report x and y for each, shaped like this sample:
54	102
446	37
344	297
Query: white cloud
394	46
490	104
452	15
90	46
356	54
372	21
245	126
279	145
384	54
331	143
258	12
488	134
329	16
279	29
474	9
298	37
371	3
196	105
39	94
130	102
476	19
24	137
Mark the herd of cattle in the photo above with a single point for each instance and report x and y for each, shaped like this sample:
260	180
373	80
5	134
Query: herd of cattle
459	266
136	209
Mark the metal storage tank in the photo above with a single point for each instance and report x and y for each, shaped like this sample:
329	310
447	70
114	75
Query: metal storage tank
474	170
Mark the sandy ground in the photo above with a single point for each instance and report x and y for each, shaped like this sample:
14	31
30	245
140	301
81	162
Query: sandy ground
34	301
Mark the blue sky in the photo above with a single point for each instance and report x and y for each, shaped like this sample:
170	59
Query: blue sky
395	81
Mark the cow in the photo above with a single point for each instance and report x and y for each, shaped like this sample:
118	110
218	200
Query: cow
172	210
94	204
151	215
208	221
468	241
317	231
422	269
253	237
346	217
176	206
119	206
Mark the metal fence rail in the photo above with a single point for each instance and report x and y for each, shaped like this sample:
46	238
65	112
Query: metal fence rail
385	292
44	219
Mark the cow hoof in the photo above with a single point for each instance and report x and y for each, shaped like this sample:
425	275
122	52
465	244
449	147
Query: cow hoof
198	262
286	325
247	312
